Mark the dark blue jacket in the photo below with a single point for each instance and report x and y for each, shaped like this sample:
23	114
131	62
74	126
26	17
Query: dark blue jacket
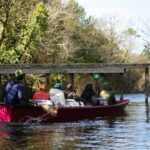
14	93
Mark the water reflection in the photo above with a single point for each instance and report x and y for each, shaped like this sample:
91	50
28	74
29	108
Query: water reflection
79	135
125	132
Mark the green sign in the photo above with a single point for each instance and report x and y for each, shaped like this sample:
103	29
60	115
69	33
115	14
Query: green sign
96	75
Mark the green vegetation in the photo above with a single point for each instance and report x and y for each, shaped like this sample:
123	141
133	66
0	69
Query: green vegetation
59	33
20	33
41	31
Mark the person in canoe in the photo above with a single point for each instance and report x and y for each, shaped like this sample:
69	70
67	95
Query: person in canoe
41	94
89	96
57	95
108	94
70	92
14	91
42	98
72	99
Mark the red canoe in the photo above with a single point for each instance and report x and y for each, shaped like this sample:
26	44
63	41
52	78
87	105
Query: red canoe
31	114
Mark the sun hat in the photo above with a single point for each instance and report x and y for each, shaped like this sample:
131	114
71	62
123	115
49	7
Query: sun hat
19	74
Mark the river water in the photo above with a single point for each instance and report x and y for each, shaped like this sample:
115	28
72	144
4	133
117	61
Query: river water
131	131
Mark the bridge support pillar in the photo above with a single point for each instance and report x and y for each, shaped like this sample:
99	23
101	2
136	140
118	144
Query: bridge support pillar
72	79
146	84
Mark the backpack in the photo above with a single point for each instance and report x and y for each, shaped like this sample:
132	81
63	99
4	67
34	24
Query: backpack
10	96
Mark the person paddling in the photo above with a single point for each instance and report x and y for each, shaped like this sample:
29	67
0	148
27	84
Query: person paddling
108	94
57	95
41	94
14	92
88	95
42	98
70	92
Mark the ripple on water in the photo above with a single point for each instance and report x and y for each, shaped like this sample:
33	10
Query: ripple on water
127	132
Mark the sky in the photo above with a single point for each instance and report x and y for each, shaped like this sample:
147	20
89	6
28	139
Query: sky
135	13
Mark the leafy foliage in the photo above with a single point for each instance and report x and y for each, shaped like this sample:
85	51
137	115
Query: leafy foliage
48	31
21	32
53	32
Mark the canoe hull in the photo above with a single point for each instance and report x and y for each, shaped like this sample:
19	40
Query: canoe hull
65	114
